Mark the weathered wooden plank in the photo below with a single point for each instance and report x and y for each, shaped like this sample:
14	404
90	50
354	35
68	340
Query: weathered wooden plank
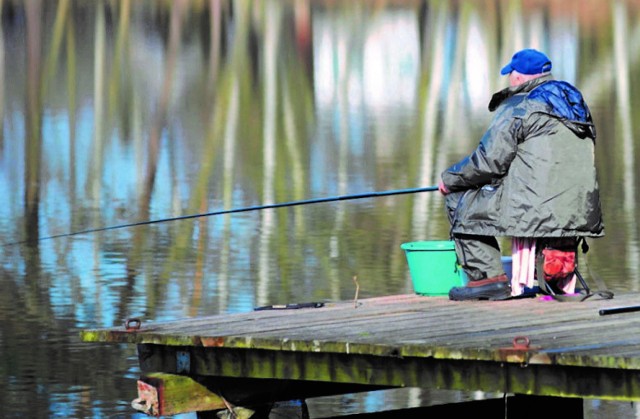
238	329
556	380
165	394
410	325
322	319
162	394
429	342
350	330
244	326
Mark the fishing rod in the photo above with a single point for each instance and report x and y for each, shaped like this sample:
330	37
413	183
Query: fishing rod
236	210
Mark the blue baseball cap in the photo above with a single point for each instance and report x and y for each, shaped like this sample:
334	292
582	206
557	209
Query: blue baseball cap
528	61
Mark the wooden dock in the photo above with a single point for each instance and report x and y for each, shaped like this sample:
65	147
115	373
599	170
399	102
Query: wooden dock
528	347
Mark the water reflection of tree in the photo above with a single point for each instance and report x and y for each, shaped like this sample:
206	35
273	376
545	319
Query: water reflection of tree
231	81
33	118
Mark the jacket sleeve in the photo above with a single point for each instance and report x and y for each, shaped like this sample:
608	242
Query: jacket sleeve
490	161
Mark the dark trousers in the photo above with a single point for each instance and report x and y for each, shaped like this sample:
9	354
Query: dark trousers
479	256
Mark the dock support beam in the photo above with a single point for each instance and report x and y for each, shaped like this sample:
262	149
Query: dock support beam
161	394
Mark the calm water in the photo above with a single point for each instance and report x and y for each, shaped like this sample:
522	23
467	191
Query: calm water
120	112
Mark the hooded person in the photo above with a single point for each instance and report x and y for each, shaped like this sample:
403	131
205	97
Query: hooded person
532	175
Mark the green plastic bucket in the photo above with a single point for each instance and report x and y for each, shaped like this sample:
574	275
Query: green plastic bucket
433	267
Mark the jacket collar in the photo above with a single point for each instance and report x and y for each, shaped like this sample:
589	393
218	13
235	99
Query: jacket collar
525	87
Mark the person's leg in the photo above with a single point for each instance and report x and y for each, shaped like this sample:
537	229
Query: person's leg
480	257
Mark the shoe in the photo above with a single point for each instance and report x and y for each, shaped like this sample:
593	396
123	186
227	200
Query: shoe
494	289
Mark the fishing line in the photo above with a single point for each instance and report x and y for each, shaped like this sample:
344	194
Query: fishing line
236	210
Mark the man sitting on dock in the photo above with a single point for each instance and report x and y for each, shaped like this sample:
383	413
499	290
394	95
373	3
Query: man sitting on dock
533	175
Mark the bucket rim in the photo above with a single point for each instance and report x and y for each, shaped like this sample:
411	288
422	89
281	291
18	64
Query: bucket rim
429	245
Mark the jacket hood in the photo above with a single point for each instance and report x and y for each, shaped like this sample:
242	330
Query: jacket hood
560	99
566	103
